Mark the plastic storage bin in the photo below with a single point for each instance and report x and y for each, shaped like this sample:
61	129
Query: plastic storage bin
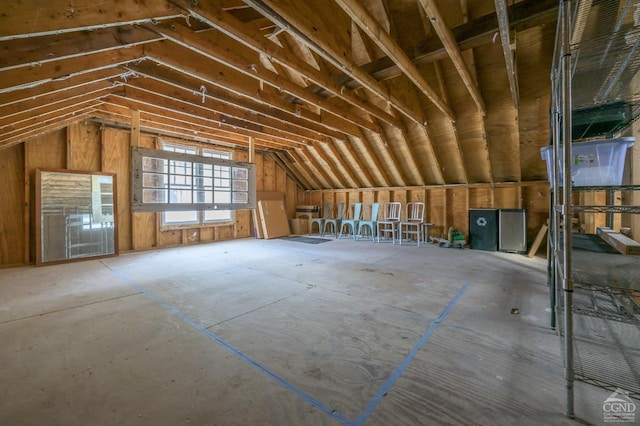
595	163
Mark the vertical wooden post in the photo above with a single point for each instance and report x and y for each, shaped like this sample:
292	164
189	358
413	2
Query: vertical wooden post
134	141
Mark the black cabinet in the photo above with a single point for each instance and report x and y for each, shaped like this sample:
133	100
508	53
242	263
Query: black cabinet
483	229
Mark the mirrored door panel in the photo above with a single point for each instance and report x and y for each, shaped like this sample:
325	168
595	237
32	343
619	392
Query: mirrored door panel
75	215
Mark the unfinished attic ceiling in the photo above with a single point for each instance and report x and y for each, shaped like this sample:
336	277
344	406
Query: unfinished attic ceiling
347	93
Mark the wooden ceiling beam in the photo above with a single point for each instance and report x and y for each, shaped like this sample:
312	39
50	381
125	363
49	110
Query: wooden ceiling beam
505	36
29	106
26	118
523	15
454	131
296	176
451	46
374	161
332	166
389	158
306	155
310	175
296	20
368	180
169	121
229	107
210	13
137	99
50	120
392	49
17	79
343	161
168	75
219	47
54	17
36	51
59	86
217	74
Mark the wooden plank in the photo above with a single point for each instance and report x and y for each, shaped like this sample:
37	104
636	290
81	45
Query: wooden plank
48	152
84	149
12	200
273	217
52	17
621	243
369	24
536	243
116	159
143	224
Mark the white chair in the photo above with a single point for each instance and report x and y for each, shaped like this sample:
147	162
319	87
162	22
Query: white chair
411	225
390	220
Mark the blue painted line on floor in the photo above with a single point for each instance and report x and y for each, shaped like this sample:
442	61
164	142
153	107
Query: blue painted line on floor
386	387
287	385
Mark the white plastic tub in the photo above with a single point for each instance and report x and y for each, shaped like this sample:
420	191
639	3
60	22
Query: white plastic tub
595	163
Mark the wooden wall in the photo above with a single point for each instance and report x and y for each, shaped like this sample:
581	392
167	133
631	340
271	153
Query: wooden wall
89	146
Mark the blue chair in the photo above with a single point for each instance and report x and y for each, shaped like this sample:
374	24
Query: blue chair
352	220
371	223
334	221
320	220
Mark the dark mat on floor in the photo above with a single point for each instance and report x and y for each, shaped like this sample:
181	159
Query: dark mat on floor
307	240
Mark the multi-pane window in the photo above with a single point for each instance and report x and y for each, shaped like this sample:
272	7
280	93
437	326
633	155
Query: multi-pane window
191	185
207	179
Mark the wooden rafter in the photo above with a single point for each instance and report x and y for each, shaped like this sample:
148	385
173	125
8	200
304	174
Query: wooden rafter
231	104
331	146
54	17
216	46
503	24
299	162
150	94
217	74
17	121
157	118
16	79
369	25
59	86
359	161
291	18
454	131
217	18
310	157
332	167
451	46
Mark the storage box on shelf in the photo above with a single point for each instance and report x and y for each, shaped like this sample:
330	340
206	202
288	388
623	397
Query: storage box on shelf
595	163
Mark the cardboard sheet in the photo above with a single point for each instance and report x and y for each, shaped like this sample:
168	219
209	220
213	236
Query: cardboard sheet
273	218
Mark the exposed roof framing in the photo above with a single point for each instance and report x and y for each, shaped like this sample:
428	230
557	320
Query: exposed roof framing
505	36
451	46
344	93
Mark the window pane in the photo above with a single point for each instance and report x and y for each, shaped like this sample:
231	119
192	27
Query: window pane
179	196
240	185
175	218
222	197
154	180
217	215
240	173
240	197
154	195
150	164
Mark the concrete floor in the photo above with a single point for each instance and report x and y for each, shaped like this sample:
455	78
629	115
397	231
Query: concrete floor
276	332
